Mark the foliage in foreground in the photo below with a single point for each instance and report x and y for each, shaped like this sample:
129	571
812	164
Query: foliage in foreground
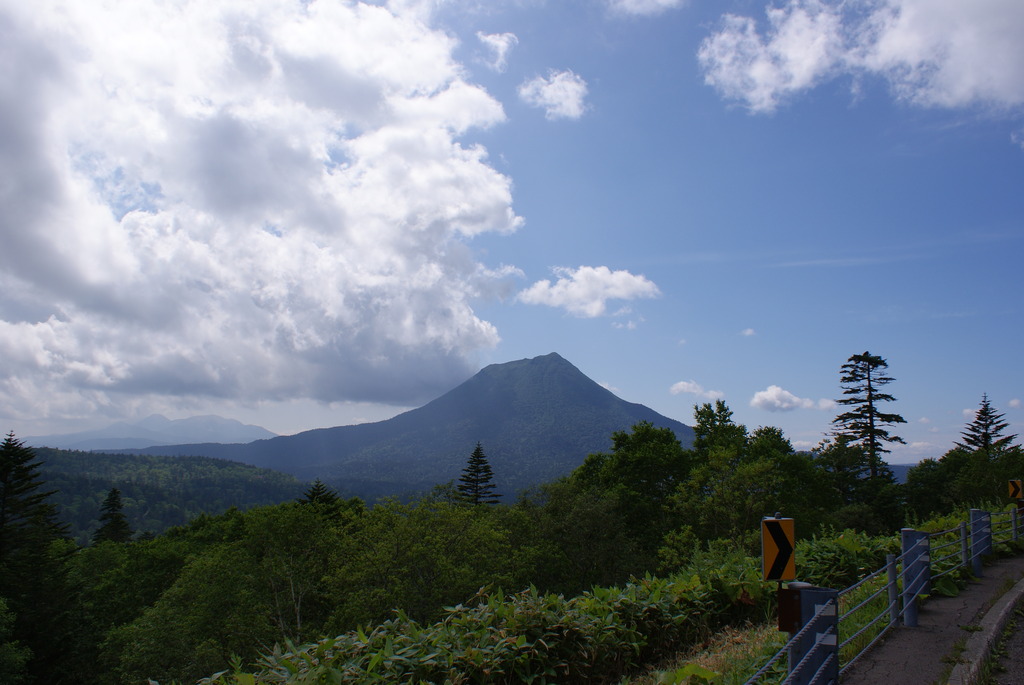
531	637
598	636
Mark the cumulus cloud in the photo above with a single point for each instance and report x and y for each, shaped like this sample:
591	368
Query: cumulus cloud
238	199
775	399
1015	403
944	53
499	45
694	388
585	291
644	7
560	94
747	332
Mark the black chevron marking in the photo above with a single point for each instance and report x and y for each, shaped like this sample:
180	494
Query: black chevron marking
784	547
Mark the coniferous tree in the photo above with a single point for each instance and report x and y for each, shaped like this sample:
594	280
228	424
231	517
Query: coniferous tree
113	523
326	500
28	521
864	425
320	493
31	571
984	435
476	482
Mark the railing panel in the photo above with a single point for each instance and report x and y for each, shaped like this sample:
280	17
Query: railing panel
816	653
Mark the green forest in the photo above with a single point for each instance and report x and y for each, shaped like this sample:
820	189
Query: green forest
309	585
157	493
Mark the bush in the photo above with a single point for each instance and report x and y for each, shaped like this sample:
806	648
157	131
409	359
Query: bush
528	637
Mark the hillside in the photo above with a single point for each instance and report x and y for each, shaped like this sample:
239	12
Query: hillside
157	492
537	420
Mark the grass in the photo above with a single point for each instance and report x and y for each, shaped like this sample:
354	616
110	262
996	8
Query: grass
735	654
992	666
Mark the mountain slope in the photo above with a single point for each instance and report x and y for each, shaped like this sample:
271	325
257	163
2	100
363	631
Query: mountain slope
154	430
156	492
537	419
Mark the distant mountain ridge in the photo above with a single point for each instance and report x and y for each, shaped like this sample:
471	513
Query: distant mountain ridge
155	430
537	419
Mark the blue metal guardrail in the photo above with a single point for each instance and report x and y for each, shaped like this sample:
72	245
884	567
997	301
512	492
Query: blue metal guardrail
821	651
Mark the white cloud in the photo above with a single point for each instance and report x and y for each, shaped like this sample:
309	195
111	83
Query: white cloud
561	94
1015	403
802	47
914	451
945	53
747	332
499	45
775	399
238	199
644	7
694	388
585	291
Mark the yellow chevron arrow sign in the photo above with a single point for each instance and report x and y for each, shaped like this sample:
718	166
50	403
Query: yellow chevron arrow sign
777	542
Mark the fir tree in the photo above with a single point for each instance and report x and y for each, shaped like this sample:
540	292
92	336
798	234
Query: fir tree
863	425
326	500
113	524
28	521
984	435
476	482
319	493
32	570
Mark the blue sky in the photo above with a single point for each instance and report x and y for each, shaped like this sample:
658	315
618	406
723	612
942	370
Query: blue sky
311	214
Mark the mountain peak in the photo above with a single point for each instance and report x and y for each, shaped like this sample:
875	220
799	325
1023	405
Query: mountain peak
537	419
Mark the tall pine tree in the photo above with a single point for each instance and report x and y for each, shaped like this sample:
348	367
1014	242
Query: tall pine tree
476	482
864	424
113	524
32	576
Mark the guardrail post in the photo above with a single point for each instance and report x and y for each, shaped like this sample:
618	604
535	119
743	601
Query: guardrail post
965	546
814	658
981	538
916	572
1013	524
893	587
